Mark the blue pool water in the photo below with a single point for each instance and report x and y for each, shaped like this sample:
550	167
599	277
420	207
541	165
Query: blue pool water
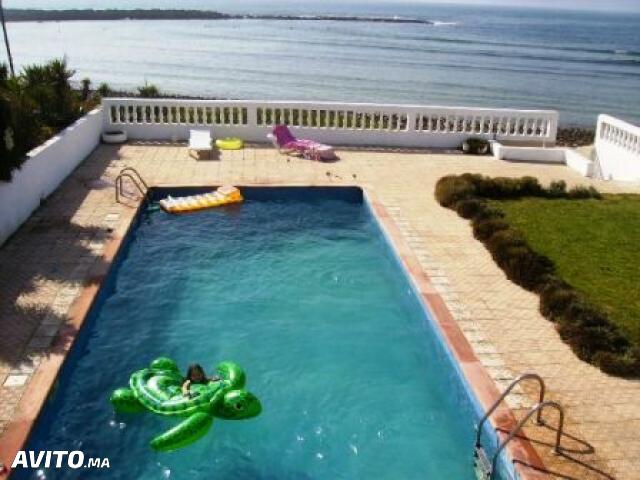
300	287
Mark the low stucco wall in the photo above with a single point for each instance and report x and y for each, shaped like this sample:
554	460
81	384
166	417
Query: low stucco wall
45	168
566	156
618	149
357	124
528	154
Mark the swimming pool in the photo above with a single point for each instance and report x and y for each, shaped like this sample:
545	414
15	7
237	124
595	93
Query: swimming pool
299	286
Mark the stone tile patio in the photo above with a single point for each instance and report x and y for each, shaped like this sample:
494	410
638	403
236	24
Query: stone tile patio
47	262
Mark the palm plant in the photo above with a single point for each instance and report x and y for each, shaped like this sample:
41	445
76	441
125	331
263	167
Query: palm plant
148	90
104	90
21	126
86	89
34	105
38	102
64	104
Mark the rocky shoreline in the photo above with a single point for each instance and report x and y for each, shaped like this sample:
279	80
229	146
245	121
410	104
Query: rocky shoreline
38	15
575	136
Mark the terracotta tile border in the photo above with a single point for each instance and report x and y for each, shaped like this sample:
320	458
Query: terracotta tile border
43	380
519	449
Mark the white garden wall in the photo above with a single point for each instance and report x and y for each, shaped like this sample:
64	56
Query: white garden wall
358	124
618	149
528	154
46	167
584	166
563	156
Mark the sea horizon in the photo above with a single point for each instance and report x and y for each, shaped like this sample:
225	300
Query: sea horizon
579	63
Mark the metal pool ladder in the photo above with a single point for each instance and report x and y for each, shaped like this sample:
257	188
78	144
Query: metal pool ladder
135	177
485	468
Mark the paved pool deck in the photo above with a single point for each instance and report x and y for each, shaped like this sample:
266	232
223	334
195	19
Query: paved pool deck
52	266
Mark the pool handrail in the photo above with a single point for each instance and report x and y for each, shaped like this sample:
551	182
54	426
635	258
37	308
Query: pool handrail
516	381
537	408
135	177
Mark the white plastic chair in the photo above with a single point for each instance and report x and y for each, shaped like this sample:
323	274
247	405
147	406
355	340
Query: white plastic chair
200	141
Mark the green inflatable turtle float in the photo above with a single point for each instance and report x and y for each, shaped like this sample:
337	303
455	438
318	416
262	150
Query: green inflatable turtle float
159	390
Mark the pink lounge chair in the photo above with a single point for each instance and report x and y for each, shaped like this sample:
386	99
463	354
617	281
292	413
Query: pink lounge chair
285	142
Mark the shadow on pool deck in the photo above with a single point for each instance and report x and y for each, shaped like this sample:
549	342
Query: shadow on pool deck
44	266
574	453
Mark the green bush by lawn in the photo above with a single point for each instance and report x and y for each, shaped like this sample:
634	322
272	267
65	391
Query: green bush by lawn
577	250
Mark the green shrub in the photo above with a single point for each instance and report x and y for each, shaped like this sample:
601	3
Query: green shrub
469	207
587	341
103	90
503	187
484	228
148	90
594	338
530	187
473	178
555	299
504	239
583	313
582	192
523	266
488	212
499	188
624	365
595	193
557	189
451	189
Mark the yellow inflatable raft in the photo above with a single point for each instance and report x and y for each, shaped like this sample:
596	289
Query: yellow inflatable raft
222	196
229	143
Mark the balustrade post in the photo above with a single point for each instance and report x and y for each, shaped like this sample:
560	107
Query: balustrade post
252	116
411	121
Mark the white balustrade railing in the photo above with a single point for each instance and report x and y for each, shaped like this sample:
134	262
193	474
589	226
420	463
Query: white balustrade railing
338	123
618	149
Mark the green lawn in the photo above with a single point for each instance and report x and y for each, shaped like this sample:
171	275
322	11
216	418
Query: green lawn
595	245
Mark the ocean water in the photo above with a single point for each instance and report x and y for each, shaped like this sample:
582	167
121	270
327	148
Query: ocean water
580	63
301	290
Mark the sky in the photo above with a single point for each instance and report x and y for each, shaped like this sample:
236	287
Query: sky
603	5
625	5
572	4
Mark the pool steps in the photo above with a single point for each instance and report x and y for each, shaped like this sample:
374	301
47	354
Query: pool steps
485	469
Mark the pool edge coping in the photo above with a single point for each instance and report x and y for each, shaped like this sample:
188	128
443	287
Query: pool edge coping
527	463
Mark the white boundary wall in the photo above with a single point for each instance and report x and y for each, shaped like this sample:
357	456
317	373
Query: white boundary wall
584	166
335	123
528	154
562	156
45	168
618	149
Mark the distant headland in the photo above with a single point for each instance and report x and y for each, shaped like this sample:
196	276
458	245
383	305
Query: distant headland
37	15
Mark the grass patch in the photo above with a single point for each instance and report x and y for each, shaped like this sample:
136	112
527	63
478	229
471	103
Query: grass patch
574	248
595	246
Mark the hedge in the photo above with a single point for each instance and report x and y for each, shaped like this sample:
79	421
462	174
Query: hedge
585	328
